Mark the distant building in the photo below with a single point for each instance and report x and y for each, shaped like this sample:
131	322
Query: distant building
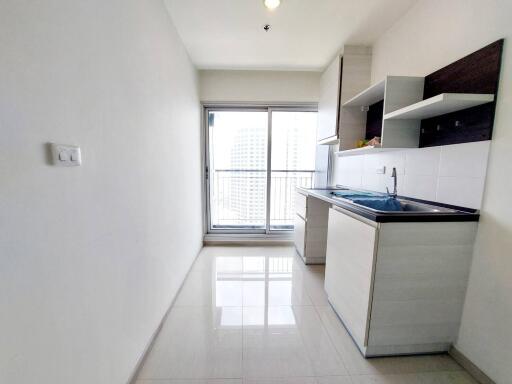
247	184
240	191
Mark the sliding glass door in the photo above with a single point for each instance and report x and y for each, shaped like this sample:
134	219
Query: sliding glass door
255	158
238	142
292	163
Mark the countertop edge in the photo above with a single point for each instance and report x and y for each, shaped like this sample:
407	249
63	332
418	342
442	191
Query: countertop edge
467	215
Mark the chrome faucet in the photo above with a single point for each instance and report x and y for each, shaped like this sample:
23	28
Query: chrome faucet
395	192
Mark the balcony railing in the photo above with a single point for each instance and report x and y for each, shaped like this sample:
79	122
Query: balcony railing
238	198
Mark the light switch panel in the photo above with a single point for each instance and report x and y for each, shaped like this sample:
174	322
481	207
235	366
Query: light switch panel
66	155
380	170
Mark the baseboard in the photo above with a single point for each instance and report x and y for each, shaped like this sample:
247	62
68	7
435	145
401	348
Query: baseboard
469	366
246	239
151	342
250	243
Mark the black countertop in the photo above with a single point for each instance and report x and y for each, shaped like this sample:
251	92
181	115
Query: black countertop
459	214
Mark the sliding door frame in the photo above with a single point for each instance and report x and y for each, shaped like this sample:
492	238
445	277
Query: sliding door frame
269	108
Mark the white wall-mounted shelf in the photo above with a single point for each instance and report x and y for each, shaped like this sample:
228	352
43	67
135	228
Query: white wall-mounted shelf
370	149
439	105
367	97
396	92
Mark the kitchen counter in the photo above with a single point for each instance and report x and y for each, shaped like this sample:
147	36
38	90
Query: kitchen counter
395	278
458	214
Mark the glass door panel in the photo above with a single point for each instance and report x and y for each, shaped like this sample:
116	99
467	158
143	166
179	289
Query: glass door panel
238	169
293	163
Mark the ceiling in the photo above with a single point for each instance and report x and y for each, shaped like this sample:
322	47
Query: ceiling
304	35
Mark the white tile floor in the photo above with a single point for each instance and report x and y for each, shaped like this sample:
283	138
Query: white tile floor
251	315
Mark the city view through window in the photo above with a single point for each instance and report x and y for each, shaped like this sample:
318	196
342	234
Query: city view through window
239	173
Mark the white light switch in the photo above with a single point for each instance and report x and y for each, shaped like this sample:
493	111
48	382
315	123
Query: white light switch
75	155
63	156
380	170
66	155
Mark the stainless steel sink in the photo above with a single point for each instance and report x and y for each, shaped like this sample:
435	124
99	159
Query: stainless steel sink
408	207
416	207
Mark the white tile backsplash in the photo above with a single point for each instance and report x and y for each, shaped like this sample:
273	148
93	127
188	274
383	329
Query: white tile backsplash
451	174
373	182
353	164
350	172
420	186
351	180
423	161
394	160
468	160
371	163
460	190
370	178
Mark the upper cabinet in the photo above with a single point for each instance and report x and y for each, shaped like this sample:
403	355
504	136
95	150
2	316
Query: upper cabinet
329	103
452	105
345	77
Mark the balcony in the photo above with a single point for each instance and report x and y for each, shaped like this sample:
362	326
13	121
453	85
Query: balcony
239	198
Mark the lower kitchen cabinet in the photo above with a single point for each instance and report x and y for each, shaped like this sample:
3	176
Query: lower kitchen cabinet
349	271
310	233
398	288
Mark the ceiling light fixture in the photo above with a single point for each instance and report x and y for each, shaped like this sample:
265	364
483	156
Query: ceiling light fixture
272	4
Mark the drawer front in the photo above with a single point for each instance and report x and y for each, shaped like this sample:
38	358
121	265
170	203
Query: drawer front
301	203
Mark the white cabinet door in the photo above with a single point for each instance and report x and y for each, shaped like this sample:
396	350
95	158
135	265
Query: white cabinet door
328	105
299	235
349	271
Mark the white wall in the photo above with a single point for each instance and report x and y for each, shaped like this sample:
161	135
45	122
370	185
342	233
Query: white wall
259	86
91	257
432	34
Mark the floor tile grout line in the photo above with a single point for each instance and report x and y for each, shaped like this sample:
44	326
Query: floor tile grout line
340	355
324	327
333	345
304	270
